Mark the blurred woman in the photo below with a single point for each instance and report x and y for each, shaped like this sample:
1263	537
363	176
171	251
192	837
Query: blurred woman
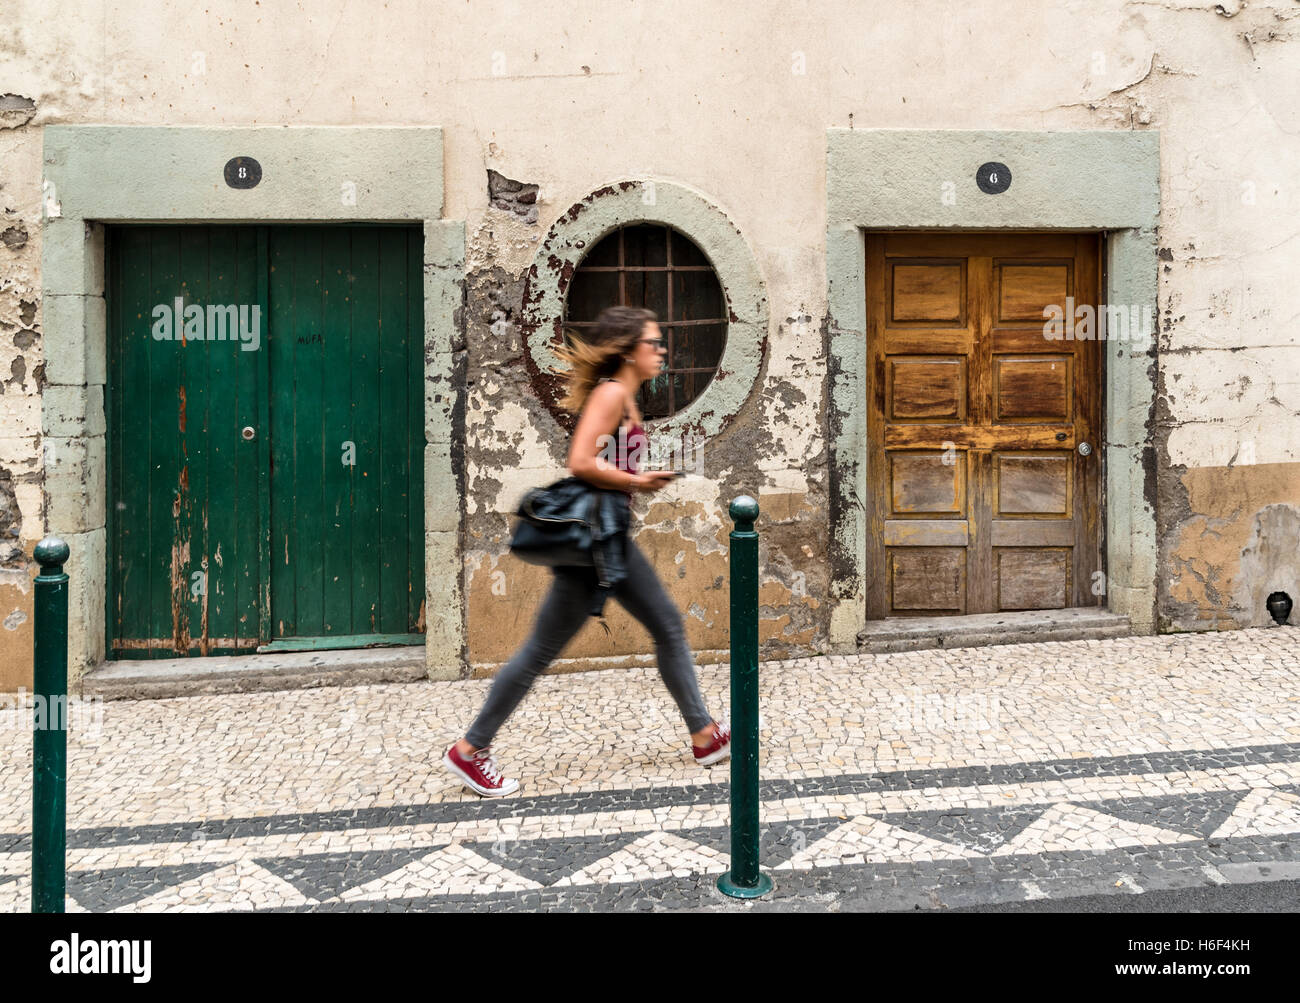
605	373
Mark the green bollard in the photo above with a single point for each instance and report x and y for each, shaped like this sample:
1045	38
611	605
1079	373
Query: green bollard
744	880
49	730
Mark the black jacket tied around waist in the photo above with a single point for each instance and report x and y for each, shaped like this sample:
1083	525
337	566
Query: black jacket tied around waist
573	523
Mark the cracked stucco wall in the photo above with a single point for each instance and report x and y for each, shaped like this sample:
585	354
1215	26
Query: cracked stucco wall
22	379
1227	428
740	112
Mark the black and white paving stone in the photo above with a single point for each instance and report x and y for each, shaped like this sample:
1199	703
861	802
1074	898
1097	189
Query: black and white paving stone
1108	770
946	856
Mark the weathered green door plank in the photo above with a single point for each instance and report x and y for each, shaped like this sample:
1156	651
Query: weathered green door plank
394	437
282	301
169	539
213	434
365	390
296	416
337	408
231	471
415	436
191	592
254	456
263	430
129	295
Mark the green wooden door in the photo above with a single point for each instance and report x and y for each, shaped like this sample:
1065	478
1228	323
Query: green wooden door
347	435
183	488
264	400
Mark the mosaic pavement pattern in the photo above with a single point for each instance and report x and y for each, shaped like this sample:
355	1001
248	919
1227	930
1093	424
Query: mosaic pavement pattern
1068	769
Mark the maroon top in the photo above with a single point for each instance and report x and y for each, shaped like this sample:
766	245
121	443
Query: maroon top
630	441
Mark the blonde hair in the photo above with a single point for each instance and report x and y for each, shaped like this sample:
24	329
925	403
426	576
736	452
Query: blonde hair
618	328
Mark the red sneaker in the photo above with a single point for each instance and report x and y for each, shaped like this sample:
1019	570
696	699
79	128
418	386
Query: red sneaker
718	749
479	772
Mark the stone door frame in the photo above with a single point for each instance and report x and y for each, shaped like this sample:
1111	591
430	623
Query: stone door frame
101	174
880	179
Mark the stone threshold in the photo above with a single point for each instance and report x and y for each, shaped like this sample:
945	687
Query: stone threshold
159	678
598	663
977	630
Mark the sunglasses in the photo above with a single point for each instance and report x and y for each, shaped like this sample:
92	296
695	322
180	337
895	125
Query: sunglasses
657	342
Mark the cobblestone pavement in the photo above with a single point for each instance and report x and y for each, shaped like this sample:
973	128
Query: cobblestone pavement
938	779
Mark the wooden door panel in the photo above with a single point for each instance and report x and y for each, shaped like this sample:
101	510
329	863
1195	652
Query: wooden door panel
926	484
955	342
347	493
917	436
1032	533
1025	289
930	293
183	518
926	389
926	532
1032	578
1032	484
978	499
1032	389
928	579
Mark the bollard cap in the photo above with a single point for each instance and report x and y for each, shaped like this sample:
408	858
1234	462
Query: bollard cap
51	552
743	509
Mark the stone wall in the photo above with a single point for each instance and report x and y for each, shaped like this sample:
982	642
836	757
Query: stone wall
542	107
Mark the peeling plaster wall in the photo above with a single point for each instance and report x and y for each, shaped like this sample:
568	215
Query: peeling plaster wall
1227	428
22	380
734	102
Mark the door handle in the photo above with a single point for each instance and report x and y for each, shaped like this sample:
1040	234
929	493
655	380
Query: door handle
248	433
1084	449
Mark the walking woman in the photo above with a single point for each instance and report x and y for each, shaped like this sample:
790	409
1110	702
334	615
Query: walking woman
604	376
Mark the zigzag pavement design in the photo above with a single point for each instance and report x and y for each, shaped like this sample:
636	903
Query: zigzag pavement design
528	865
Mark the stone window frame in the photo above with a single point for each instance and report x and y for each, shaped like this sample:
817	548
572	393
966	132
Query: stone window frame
698	217
104	174
906	179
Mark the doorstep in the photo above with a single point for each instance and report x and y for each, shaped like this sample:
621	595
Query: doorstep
156	678
977	630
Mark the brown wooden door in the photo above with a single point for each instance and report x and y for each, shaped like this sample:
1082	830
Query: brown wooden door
979	500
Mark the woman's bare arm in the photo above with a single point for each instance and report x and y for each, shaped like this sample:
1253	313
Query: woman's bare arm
600	417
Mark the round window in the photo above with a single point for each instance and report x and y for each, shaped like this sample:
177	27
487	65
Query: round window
654	266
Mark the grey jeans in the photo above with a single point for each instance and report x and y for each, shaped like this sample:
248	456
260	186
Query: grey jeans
562	615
